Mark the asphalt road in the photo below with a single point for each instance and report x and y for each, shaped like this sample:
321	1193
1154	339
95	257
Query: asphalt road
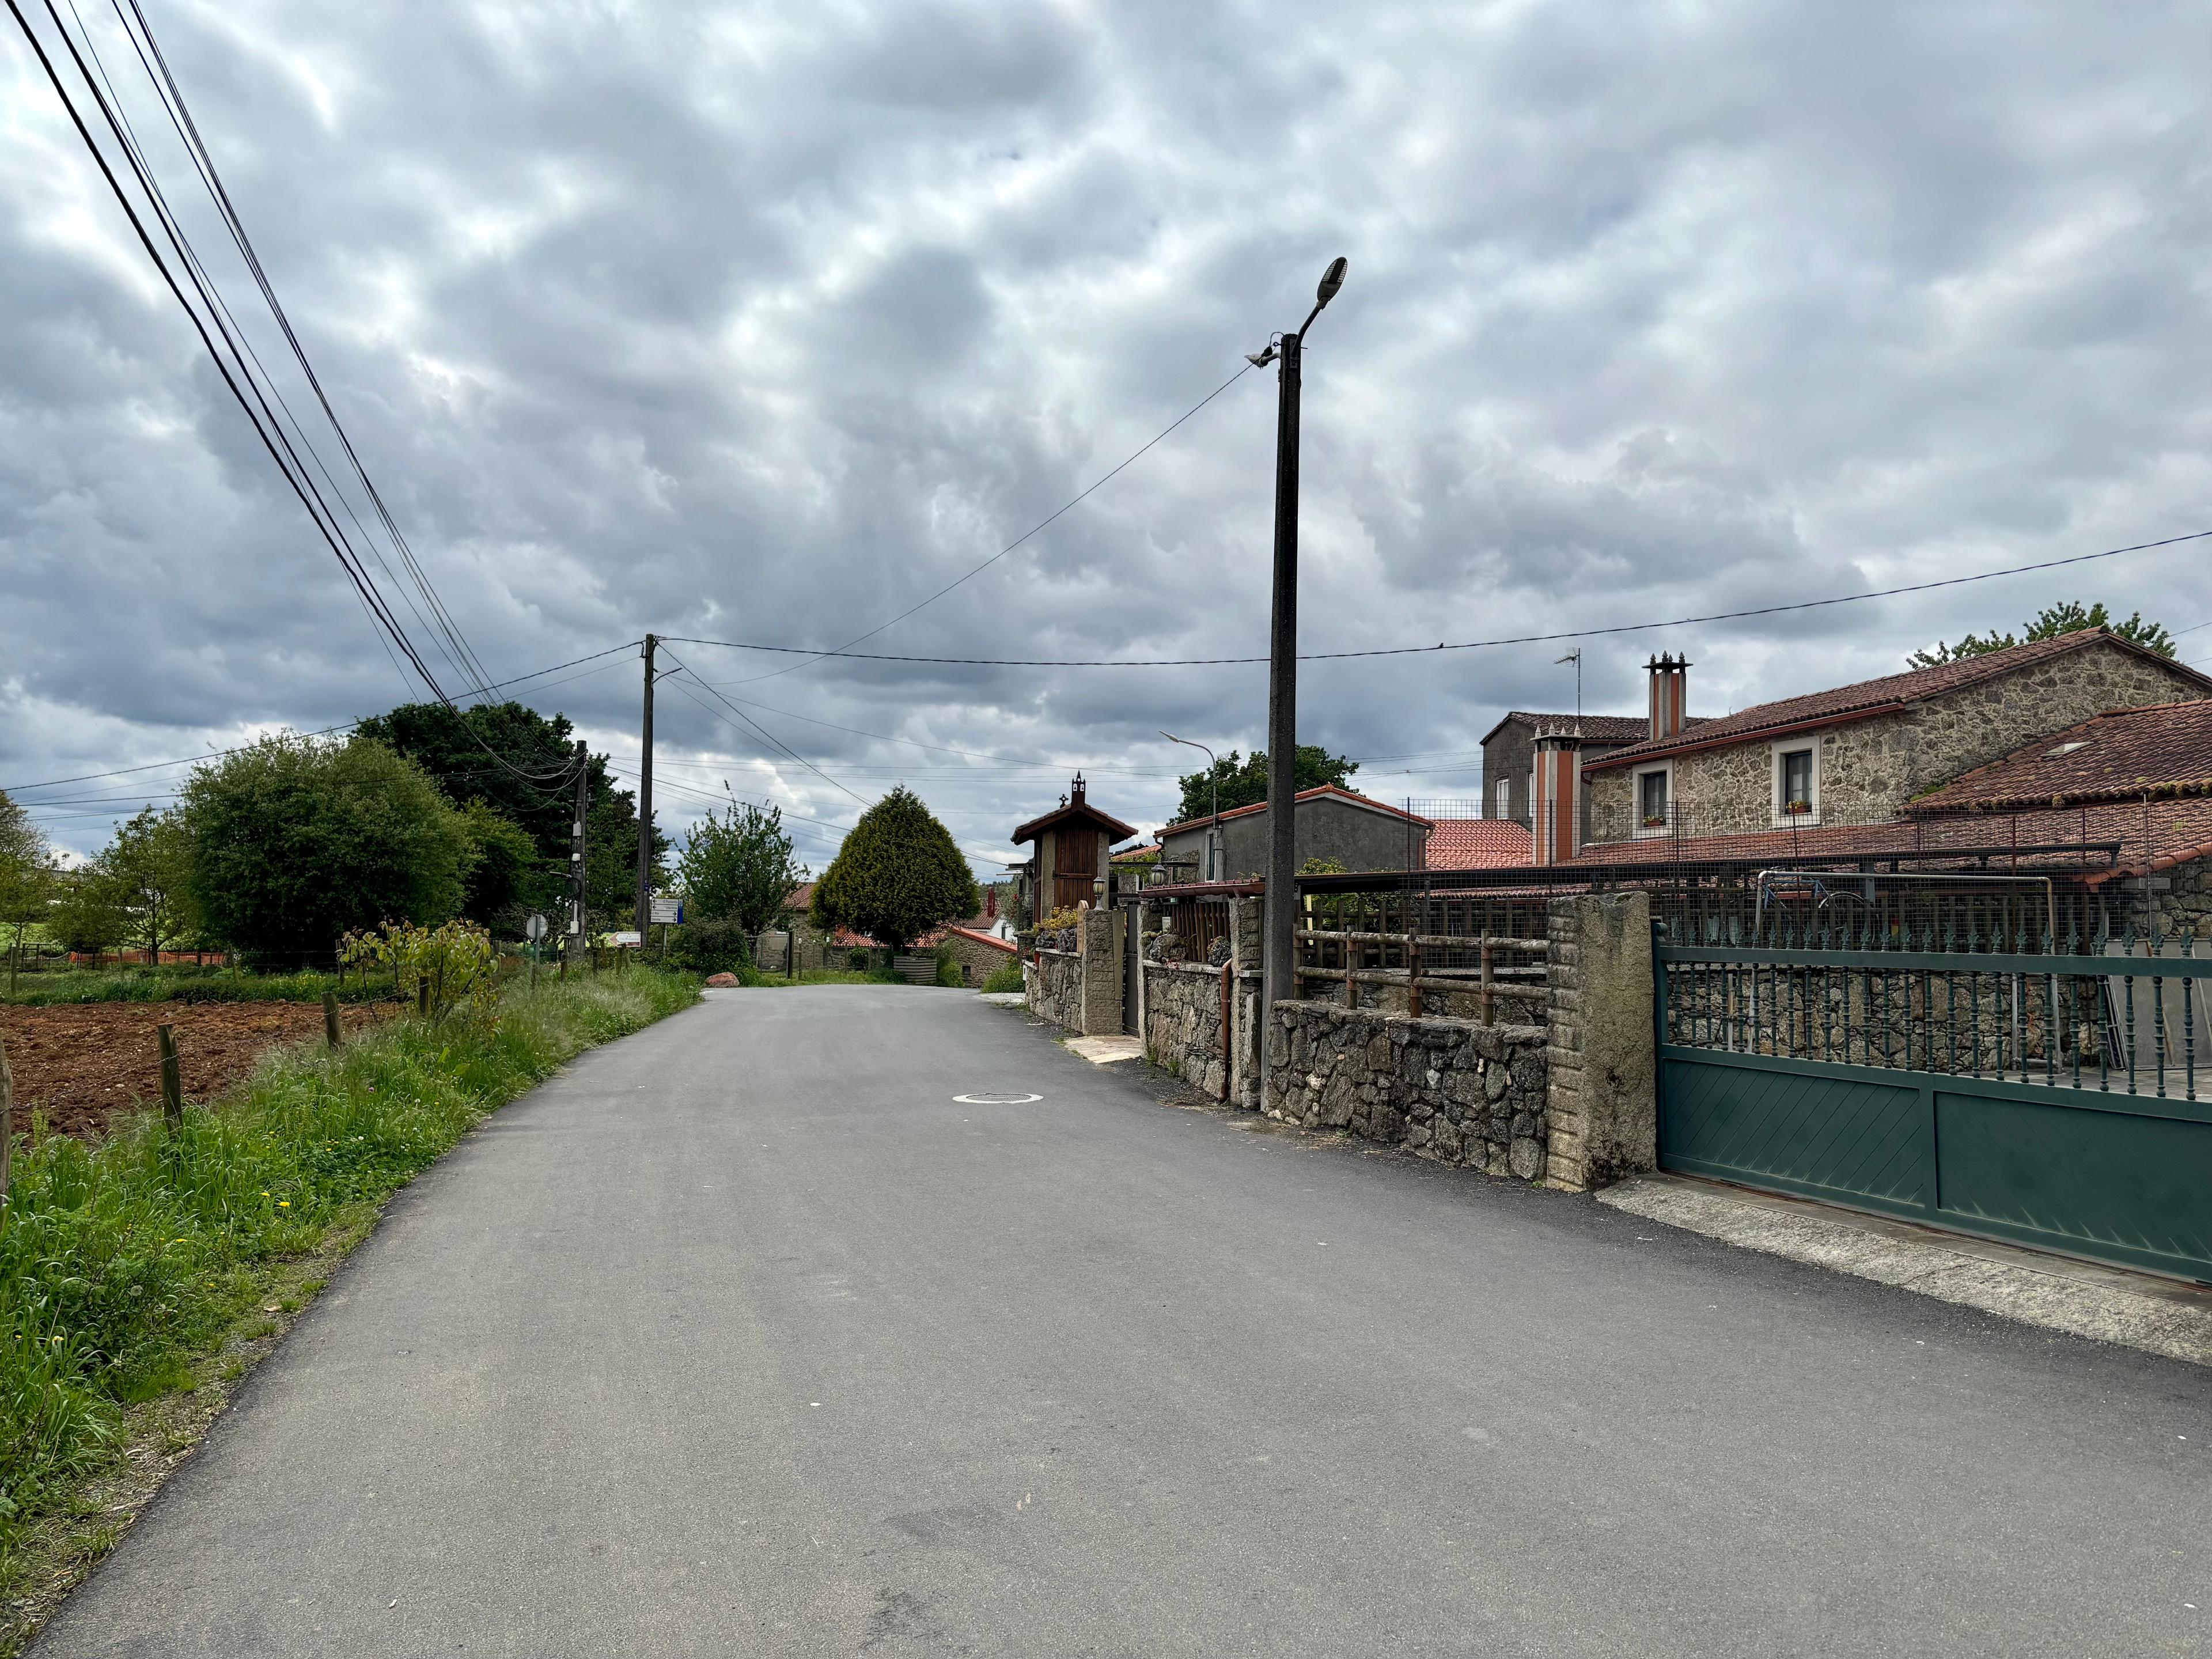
745	1336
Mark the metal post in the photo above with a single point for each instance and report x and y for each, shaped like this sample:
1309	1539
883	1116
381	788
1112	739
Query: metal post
1280	934
644	805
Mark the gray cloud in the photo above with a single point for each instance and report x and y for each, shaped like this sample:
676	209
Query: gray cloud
763	324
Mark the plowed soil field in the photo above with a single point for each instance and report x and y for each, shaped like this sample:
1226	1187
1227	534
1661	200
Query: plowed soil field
79	1064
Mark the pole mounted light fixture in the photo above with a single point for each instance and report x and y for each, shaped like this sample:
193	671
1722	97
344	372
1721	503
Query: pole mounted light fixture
1280	957
1213	776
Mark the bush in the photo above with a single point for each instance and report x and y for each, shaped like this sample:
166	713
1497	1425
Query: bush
1008	978
948	968
296	841
897	874
711	947
857	960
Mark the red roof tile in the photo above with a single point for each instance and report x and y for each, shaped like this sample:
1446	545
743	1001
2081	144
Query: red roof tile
1881	697
2162	749
1479	844
1596	728
2156	836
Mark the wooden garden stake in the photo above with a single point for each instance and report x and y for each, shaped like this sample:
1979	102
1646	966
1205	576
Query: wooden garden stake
173	1078
331	1034
7	1126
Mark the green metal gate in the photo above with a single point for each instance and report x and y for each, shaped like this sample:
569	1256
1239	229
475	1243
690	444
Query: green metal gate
2046	1098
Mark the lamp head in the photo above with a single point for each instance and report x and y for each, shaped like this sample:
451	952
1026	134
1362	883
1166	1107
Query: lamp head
1331	281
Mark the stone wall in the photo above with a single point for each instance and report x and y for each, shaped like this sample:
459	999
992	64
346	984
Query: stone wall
1182	1023
1444	1089
1053	981
1870	768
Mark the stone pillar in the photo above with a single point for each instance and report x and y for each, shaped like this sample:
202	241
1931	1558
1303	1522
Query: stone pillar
1604	1103
1100	942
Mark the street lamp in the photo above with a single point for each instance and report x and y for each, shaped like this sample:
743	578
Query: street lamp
1280	958
1214	775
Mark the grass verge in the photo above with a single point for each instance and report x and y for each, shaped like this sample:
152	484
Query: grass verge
184	984
141	1278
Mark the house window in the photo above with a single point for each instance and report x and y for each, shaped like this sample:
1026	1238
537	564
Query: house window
1796	784
1503	807
1655	801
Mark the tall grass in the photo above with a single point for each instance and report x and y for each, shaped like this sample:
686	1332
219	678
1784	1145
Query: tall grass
120	1262
182	983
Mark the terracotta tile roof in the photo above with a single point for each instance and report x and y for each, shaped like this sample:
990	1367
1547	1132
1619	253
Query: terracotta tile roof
1890	693
1315	793
1149	851
991	939
2163	750
2155	836
1596	728
1479	844
1078	808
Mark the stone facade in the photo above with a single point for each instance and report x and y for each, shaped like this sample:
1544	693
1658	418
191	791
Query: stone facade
1444	1089
2179	901
978	955
1870	768
1080	990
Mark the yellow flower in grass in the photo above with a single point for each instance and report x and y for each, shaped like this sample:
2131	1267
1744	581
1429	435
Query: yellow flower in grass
283	1203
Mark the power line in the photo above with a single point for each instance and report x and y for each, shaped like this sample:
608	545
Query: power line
1430	650
846	649
327	731
684	667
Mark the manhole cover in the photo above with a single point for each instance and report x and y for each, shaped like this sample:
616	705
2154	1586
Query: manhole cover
996	1099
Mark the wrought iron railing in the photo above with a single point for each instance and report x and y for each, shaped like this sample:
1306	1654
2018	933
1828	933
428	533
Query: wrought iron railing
2118	1012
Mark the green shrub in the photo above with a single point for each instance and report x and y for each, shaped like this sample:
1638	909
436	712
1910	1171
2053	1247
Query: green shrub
121	1262
857	960
1006	978
948	968
184	983
711	947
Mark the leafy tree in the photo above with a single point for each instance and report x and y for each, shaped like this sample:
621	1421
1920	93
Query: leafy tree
27	878
87	912
503	873
897	875
1243	780
297	841
738	867
528	791
149	865
2067	617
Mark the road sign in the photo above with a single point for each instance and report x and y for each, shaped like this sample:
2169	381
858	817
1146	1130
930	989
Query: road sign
629	936
668	909
534	929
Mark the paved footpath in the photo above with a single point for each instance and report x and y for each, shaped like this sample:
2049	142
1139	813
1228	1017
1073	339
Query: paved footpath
743	1336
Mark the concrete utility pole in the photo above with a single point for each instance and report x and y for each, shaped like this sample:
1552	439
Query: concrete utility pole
1279	980
576	847
645	807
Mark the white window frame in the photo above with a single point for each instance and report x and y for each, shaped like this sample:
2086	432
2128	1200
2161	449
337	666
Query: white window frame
1775	751
1637	829
1501	805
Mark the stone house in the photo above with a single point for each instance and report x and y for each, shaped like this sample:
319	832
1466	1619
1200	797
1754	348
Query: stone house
1509	754
1354	831
1861	754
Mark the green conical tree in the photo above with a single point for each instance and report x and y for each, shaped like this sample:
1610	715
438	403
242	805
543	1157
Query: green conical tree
898	876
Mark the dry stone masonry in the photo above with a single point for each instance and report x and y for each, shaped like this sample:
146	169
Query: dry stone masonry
1444	1089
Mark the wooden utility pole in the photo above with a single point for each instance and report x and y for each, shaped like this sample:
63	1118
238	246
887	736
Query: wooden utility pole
575	929
330	1033
645	805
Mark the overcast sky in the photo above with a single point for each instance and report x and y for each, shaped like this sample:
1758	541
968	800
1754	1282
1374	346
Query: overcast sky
762	323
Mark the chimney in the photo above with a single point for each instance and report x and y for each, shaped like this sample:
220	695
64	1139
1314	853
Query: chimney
1670	695
1556	815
